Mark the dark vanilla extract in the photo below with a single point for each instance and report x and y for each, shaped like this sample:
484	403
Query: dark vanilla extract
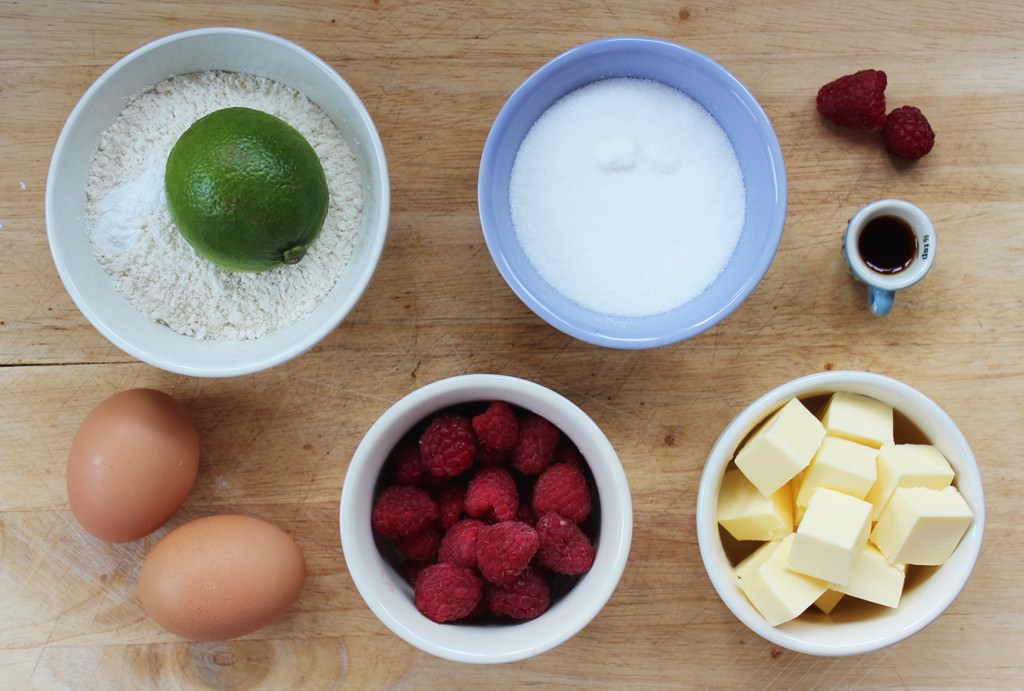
887	244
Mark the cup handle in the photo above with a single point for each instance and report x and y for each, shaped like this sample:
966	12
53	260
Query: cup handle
880	301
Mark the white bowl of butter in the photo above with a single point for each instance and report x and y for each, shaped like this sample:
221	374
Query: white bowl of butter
840	513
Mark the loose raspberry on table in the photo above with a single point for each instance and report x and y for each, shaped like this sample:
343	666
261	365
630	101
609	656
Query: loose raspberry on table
504	550
492	489
855	100
526	597
497	427
907	133
448	445
451	504
459	544
535	448
563	546
421	545
402	510
447	591
563	489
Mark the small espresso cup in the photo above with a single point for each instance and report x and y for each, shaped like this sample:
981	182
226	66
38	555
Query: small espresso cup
889	245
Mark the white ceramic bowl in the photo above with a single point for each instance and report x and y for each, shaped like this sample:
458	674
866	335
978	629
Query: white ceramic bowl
871	627
237	50
391	598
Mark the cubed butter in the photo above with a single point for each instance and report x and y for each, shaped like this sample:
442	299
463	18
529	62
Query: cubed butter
907	465
858	418
831	536
754	560
875	579
921	525
828	600
749	515
842	465
777	592
781	448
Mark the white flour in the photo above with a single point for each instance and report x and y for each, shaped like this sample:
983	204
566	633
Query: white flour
136	242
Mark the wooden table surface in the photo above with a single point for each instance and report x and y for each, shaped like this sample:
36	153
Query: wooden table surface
276	444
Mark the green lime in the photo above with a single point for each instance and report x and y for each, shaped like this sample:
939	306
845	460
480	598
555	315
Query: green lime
246	190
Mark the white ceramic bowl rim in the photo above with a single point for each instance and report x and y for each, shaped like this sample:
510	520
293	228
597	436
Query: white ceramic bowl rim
110	313
390	598
942	586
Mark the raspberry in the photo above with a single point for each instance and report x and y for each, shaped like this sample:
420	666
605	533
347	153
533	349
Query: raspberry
448	445
563	546
527	597
451	503
562	489
855	100
497	427
459	544
402	510
492	488
405	462
504	550
566	452
907	133
421	545
535	448
447	592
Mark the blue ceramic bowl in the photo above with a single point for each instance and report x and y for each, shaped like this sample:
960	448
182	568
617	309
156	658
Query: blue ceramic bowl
735	110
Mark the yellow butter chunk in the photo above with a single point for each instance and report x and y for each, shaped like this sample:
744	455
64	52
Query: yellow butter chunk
831	536
828	600
921	525
875	579
858	418
749	515
777	592
842	465
908	465
781	448
754	560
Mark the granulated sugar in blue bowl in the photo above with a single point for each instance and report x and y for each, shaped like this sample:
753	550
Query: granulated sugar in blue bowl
632	192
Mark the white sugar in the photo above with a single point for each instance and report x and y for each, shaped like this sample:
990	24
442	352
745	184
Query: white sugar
627	197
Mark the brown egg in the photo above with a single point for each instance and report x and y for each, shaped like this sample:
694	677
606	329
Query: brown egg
131	464
221	577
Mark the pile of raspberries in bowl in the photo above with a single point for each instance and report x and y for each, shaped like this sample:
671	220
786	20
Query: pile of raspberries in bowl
485	518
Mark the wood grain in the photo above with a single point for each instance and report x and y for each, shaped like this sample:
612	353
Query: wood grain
433	74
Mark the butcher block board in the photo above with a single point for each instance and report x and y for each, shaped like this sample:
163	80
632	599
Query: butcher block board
433	74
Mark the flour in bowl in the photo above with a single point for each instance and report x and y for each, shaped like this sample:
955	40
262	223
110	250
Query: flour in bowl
151	264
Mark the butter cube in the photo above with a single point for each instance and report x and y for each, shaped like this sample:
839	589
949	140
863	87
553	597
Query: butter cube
921	525
828	600
842	465
908	465
749	515
777	592
781	448
858	418
831	536
754	560
875	579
